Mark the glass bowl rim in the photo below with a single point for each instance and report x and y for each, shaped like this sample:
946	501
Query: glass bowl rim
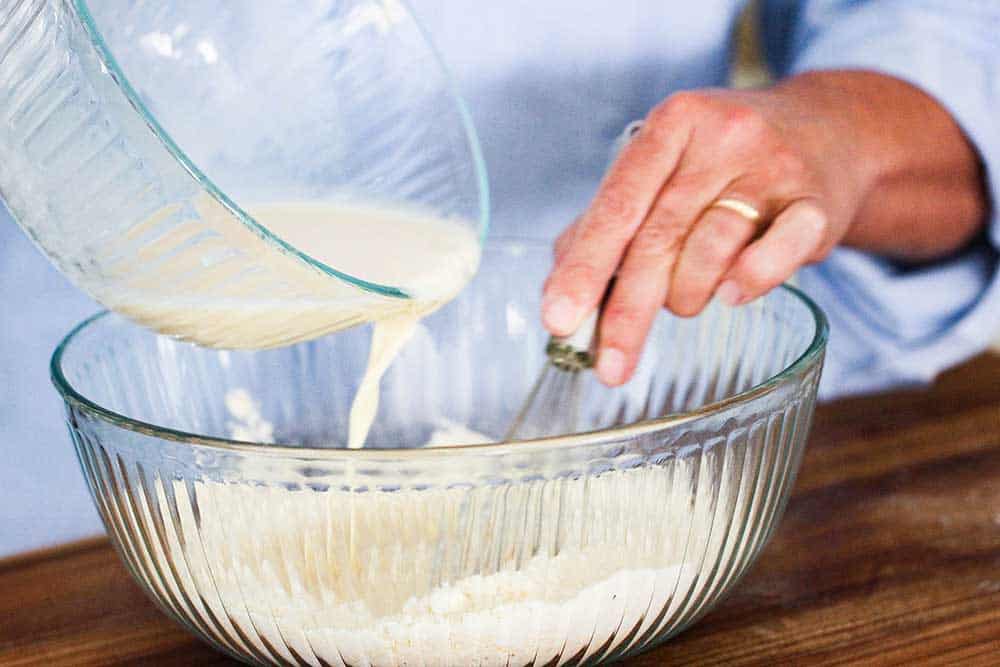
110	63
807	359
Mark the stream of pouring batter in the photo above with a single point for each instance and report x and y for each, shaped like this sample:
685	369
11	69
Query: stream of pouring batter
430	259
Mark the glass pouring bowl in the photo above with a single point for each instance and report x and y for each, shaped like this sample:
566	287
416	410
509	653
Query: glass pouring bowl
138	134
569	550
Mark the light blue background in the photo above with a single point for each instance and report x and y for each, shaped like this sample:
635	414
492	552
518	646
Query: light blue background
43	498
550	84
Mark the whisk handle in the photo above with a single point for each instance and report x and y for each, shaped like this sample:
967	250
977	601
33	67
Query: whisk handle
575	351
578	350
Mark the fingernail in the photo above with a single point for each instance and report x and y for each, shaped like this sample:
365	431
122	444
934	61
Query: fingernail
560	315
611	366
730	293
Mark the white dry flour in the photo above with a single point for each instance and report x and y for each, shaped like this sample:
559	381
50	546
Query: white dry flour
415	577
494	575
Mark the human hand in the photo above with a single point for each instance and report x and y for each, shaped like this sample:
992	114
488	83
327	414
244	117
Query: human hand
721	193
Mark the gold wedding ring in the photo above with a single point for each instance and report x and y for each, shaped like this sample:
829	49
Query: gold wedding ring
738	207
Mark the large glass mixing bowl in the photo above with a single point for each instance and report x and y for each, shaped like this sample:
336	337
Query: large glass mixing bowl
137	135
569	550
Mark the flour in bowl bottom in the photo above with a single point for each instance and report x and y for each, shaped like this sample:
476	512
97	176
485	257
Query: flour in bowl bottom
493	575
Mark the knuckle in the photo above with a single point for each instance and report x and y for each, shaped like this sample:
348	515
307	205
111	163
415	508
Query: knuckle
578	275
716	250
687	184
731	227
680	104
613	208
566	234
625	321
762	275
822	252
743	125
812	229
676	206
813	220
684	305
563	241
656	240
788	163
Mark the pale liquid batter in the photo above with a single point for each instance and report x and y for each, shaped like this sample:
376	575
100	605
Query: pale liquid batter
428	258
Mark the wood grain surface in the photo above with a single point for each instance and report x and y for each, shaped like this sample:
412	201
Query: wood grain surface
889	553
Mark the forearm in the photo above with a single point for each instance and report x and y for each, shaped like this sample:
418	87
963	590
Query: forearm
893	149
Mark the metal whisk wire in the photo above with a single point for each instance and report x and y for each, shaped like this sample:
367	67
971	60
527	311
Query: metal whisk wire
553	404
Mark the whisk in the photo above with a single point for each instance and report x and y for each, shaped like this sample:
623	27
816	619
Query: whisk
553	404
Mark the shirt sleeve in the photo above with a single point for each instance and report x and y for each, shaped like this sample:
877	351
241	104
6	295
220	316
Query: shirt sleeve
889	325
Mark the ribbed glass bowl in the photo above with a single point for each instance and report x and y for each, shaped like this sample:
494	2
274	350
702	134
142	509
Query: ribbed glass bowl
568	550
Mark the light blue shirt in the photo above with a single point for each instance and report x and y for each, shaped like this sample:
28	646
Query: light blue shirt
551	84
